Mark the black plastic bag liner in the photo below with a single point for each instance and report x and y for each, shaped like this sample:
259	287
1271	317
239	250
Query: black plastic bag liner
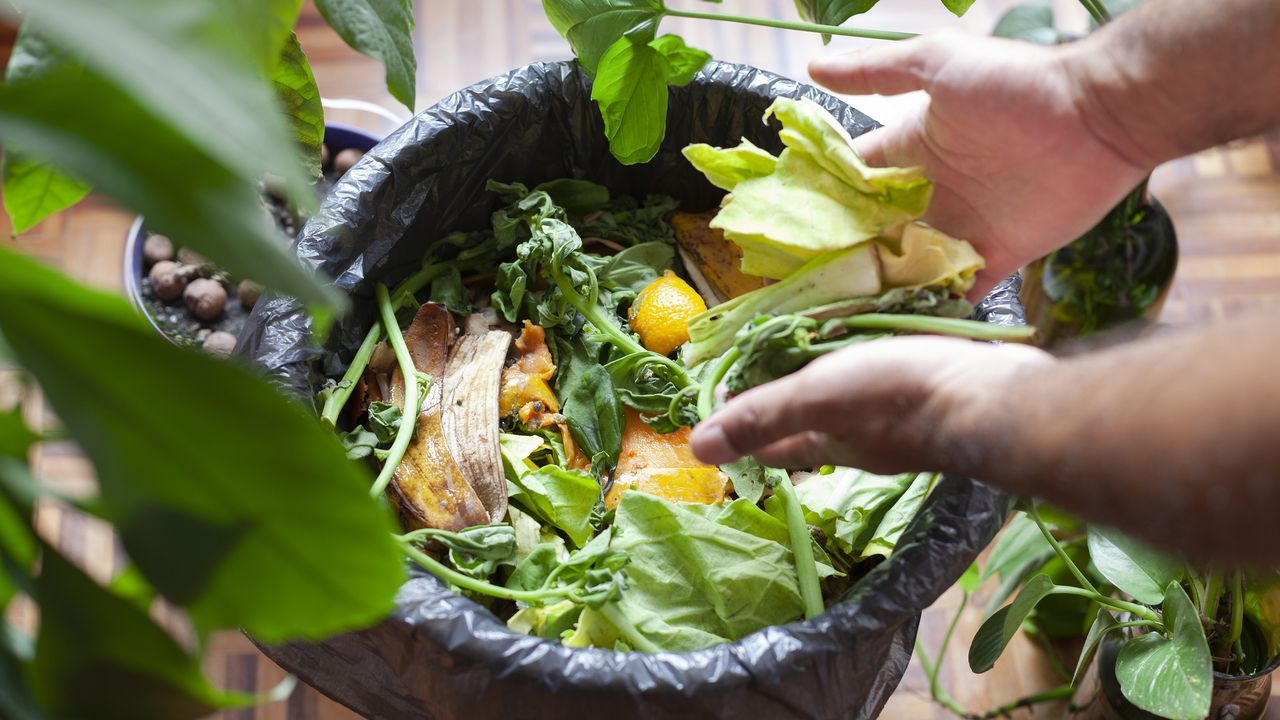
441	655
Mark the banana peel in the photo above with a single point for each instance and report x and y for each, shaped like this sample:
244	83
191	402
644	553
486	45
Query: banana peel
714	262
430	486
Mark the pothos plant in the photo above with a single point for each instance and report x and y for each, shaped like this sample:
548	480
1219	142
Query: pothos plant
233	503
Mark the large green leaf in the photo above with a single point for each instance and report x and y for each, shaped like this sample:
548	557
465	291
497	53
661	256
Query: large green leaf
100	656
296	88
1103	623
592	27
1132	566
958	7
1030	22
381	29
1171	676
832	12
92	128
999	629
201	66
232	500
35	189
1020	552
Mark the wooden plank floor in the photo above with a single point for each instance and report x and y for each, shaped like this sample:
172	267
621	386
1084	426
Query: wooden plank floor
1225	203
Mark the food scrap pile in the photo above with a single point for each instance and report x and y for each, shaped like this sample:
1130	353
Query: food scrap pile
532	426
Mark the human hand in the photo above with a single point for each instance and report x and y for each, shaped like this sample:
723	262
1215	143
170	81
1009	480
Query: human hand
893	405
1008	134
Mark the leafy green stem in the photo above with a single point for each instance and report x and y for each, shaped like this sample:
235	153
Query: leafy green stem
801	544
792	25
628	629
1212	594
707	388
1062	692
1237	616
973	329
936	690
338	398
1097	10
466	582
1141	611
1062	554
412	394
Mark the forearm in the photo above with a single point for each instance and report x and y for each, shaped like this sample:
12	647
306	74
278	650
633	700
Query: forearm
1175	439
1176	76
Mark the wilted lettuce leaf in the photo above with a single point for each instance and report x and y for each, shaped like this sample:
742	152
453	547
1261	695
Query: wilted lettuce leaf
886	535
700	574
926	257
726	167
847	505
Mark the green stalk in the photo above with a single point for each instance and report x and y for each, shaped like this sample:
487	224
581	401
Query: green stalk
466	582
412	401
935	688
629	631
1212	595
1097	10
1062	554
1197	587
335	402
1141	611
616	337
801	547
1237	618
707	389
1062	692
792	25
973	329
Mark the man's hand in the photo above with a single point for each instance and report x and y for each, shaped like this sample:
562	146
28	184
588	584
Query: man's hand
892	405
1007	134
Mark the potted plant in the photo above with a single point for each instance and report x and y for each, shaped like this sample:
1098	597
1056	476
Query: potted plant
223	493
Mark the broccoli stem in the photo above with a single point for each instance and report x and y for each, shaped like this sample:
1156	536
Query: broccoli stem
973	329
801	544
412	399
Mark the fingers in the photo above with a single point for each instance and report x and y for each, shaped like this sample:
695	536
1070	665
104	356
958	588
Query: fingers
808	449
755	419
890	69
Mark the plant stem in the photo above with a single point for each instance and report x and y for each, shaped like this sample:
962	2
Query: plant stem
801	544
1062	692
1197	587
1062	554
1097	11
629	631
1141	611
707	390
1237	618
335	402
1212	595
792	25
466	582
973	329
412	403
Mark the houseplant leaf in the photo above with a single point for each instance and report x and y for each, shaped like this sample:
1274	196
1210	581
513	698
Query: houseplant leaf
1029	22
232	500
1169	675
1103	623
958	7
381	29
1132	566
592	27
831	12
999	629
193	65
99	655
296	88
1020	552
88	126
34	189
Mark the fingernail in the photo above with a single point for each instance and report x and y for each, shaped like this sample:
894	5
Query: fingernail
711	445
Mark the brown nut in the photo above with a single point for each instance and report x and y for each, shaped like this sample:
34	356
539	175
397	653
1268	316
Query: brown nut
220	344
205	298
345	159
249	292
156	248
166	281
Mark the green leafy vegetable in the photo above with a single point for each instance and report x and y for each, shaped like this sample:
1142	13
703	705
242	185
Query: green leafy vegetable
847	505
559	497
631	88
383	30
832	12
476	551
1029	22
698	575
265	545
958	7
595	417
1131	566
1170	676
593	26
747	477
296	87
894	522
631	222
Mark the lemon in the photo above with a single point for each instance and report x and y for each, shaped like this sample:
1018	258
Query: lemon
661	312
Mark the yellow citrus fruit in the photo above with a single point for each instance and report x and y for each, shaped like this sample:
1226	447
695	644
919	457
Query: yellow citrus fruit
661	312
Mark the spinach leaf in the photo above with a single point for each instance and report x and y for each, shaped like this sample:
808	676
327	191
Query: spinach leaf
448	290
631	88
700	575
832	12
747	477
578	197
595	417
958	7
296	87
279	535
592	26
535	568
624	275
632	222
559	497
383	30
384	420
476	551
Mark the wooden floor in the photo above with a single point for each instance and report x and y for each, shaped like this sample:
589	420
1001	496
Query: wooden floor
1225	203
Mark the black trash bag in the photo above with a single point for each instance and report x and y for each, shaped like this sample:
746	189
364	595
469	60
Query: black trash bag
441	655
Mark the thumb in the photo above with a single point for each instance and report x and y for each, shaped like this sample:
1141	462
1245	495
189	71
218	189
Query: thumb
893	69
